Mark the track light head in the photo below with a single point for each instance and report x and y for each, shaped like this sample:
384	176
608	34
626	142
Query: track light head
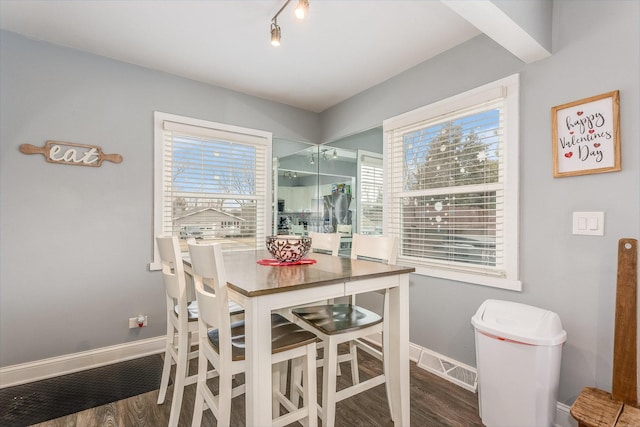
301	9
275	34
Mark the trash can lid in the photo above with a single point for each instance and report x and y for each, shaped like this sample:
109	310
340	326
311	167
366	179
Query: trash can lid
519	322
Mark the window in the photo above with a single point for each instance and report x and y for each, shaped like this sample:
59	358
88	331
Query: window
211	182
370	190
452	175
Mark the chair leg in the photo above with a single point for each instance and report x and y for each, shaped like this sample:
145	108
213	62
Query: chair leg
275	385
310	389
224	399
201	384
386	344
353	351
182	368
282	369
166	372
296	381
329	383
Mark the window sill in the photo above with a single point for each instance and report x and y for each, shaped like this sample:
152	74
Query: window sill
493	282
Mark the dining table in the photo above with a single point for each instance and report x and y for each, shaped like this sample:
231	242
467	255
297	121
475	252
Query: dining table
263	289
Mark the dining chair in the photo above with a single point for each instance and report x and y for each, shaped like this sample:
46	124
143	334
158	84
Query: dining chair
222	343
325	242
336	324
181	324
344	228
297	229
182	328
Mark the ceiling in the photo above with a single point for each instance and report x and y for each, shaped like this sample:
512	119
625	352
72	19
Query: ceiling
342	48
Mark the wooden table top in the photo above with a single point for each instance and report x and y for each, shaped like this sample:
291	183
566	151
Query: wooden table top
247	277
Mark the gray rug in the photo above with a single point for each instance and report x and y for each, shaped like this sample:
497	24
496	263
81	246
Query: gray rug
44	400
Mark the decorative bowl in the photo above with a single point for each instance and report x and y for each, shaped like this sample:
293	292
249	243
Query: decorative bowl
288	248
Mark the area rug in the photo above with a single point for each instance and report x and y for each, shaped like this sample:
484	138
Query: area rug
44	400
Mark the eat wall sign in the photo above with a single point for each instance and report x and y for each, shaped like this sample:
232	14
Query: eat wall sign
67	153
586	136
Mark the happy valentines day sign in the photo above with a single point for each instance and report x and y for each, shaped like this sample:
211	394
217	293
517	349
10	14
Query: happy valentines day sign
586	136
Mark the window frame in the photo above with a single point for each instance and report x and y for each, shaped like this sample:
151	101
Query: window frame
159	118
508	89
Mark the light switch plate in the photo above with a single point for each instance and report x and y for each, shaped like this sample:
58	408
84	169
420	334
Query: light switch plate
588	223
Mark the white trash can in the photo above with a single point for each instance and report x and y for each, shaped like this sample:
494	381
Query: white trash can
518	353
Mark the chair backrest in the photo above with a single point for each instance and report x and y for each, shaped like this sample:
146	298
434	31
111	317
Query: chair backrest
325	242
344	228
379	248
297	229
208	270
173	272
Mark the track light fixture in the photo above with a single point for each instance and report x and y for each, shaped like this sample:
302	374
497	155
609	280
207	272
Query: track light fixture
275	34
300	11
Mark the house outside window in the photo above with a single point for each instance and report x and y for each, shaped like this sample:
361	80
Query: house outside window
211	182
452	177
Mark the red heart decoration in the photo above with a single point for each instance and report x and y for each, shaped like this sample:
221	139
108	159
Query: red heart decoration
569	154
597	144
591	131
580	113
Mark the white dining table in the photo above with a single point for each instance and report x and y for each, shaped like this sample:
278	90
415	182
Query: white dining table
262	289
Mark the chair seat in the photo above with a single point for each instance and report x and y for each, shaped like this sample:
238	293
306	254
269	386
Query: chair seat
284	336
192	309
337	318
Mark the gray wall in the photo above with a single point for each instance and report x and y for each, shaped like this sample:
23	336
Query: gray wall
76	241
596	50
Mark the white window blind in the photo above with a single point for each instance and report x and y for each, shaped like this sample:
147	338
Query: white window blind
370	191
212	181
451	172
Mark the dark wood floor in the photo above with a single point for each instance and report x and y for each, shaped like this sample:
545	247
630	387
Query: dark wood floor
434	402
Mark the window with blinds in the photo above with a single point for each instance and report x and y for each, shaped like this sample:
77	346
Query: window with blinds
452	176
212	181
370	191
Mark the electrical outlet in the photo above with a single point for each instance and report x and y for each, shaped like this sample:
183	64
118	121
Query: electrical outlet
134	322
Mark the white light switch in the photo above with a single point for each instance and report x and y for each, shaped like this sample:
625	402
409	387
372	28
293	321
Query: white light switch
582	223
588	223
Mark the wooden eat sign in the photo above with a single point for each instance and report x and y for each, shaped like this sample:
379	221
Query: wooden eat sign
67	153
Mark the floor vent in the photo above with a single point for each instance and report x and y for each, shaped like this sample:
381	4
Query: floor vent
449	369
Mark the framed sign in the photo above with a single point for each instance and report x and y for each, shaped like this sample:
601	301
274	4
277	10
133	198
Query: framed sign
586	136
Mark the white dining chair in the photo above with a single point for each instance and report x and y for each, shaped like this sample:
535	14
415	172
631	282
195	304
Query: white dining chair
222	343
325	242
344	228
181	323
335	324
298	229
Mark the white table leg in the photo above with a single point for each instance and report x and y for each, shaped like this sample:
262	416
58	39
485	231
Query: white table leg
258	363
399	357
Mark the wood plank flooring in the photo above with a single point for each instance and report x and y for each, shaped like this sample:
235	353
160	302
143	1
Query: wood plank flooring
434	402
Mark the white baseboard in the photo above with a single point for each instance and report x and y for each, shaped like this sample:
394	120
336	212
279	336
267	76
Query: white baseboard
563	416
67	364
